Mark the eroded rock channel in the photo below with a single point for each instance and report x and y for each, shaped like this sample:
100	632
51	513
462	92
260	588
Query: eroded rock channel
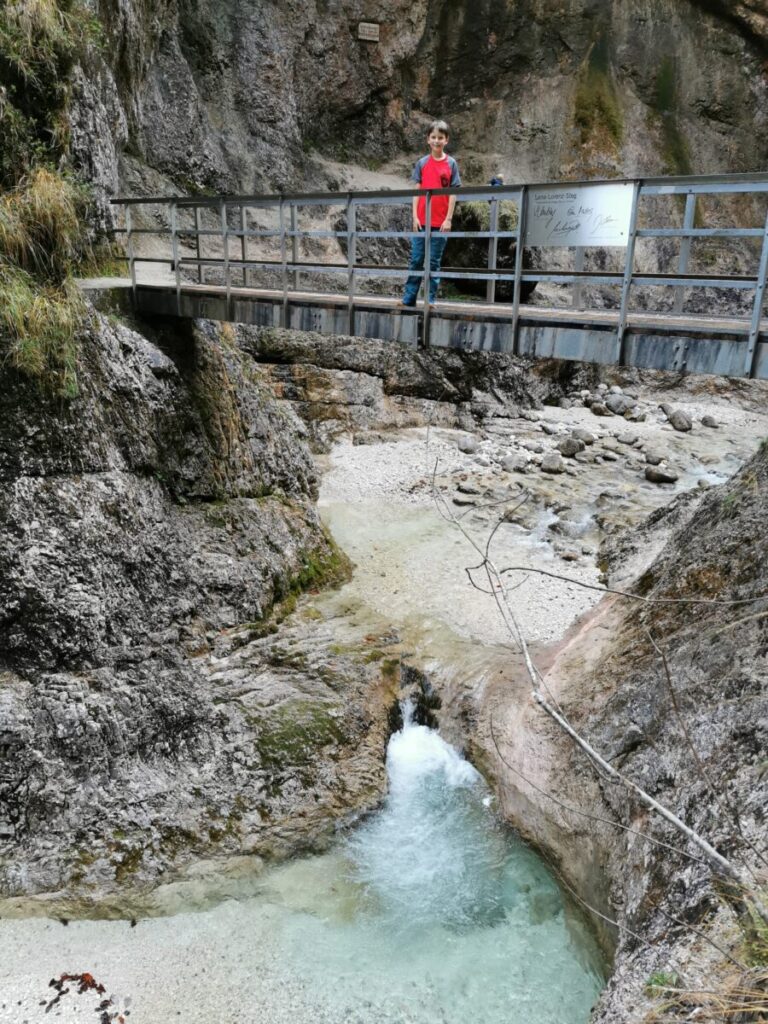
186	700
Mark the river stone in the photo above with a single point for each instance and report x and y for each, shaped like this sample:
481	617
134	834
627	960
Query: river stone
680	420
586	457
627	437
620	404
468	488
653	458
661	474
468	444
614	389
533	446
636	415
552	463
709	421
515	464
583	435
550	428
598	409
611	444
609	456
569	446
602	387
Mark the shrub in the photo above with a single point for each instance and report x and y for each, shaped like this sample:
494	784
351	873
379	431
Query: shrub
41	236
39	327
41	230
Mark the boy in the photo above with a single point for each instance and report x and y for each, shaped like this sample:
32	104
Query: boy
438	170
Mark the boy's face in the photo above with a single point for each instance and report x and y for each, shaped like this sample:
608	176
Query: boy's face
437	141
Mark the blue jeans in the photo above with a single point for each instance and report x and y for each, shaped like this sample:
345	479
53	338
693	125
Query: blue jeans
437	243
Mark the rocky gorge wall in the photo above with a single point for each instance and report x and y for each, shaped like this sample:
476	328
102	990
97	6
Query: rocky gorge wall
165	514
233	98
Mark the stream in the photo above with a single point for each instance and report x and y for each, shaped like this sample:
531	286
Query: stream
431	912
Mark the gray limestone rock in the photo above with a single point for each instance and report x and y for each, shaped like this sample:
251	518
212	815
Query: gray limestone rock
468	444
653	458
569	446
661	474
620	404
599	409
552	463
583	435
515	464
679	419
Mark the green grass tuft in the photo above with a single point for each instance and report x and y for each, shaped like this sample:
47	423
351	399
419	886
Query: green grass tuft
39	328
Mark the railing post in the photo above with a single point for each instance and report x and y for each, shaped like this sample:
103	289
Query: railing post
578	287
227	271
750	363
244	243
689	220
129	250
284	261
175	249
295	244
351	261
493	250
426	322
627	282
197	245
521	215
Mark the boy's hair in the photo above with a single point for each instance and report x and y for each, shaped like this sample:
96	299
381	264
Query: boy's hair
439	126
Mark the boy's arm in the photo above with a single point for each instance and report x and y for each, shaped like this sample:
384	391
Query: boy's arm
455	183
446	225
416	225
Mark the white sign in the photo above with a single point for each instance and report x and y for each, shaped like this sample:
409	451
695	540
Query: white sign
579	214
368	30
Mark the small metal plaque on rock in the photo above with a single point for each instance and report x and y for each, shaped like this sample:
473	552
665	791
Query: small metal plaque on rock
369	31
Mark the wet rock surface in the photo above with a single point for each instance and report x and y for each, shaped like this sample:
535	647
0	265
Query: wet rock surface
170	503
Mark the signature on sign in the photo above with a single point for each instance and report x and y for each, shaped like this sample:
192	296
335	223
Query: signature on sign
559	222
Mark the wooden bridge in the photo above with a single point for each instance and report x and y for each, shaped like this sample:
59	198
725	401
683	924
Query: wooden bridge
626	272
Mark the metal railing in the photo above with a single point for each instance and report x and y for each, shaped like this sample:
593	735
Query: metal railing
182	220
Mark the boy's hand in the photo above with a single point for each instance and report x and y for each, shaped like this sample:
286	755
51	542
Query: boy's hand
416	225
446	225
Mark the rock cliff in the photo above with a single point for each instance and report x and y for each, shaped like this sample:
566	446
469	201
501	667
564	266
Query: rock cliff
246	98
151	529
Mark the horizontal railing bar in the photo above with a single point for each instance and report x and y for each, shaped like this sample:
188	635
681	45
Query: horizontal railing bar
552	276
276	233
697	282
703	187
648	186
321	268
700	232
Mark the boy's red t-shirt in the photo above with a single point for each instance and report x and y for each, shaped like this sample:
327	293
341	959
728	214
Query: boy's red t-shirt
431	173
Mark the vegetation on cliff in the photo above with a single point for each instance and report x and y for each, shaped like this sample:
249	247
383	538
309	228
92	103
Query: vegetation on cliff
43	232
40	42
41	235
